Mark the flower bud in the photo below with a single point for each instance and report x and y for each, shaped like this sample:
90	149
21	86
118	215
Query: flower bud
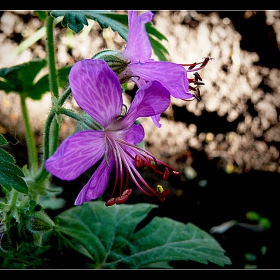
38	222
111	57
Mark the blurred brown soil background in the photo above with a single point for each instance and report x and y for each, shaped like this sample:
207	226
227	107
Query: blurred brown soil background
227	145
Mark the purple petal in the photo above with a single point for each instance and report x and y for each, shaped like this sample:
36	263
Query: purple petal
76	154
171	75
96	89
98	182
150	100
156	120
135	134
138	47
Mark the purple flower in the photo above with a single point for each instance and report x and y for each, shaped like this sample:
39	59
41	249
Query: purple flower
97	90
140	68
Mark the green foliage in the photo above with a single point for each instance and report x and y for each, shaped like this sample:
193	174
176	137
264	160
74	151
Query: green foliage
10	174
159	49
20	250
115	244
76	20
262	221
22	79
42	15
42	86
155	36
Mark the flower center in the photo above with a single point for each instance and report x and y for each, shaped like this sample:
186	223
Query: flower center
129	159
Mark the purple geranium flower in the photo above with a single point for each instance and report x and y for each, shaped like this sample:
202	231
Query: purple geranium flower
140	68
97	90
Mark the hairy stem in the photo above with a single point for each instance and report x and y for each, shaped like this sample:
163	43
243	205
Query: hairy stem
53	78
30	140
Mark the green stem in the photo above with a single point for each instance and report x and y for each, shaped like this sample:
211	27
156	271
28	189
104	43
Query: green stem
13	200
43	173
30	140
51	56
92	125
53	78
64	96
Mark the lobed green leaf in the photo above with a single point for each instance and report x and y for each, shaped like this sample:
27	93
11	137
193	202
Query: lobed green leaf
10	174
76	20
20	78
107	235
11	177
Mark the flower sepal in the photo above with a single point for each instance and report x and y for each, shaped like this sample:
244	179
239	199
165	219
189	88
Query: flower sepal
112	58
38	222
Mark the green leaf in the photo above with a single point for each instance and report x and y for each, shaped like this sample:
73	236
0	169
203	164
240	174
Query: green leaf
155	36
76	20
95	226
10	174
159	49
20	78
5	156
169	240
42	85
108	235
4	207
3	140
10	177
153	31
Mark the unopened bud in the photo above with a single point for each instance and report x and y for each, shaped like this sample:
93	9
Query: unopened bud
111	57
39	222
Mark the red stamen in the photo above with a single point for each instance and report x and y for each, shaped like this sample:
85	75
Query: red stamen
138	161
163	195
110	202
121	199
127	192
177	173
165	173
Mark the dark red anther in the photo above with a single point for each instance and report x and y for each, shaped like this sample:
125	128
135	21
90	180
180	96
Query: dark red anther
197	95
110	202
127	192
206	59
165	173
199	84
197	76
192	66
121	199
177	173
148	162
164	194
138	161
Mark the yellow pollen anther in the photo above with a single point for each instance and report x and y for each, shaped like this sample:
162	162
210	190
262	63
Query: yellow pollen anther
160	189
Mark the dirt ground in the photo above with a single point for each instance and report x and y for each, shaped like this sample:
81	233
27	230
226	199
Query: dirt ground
227	145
